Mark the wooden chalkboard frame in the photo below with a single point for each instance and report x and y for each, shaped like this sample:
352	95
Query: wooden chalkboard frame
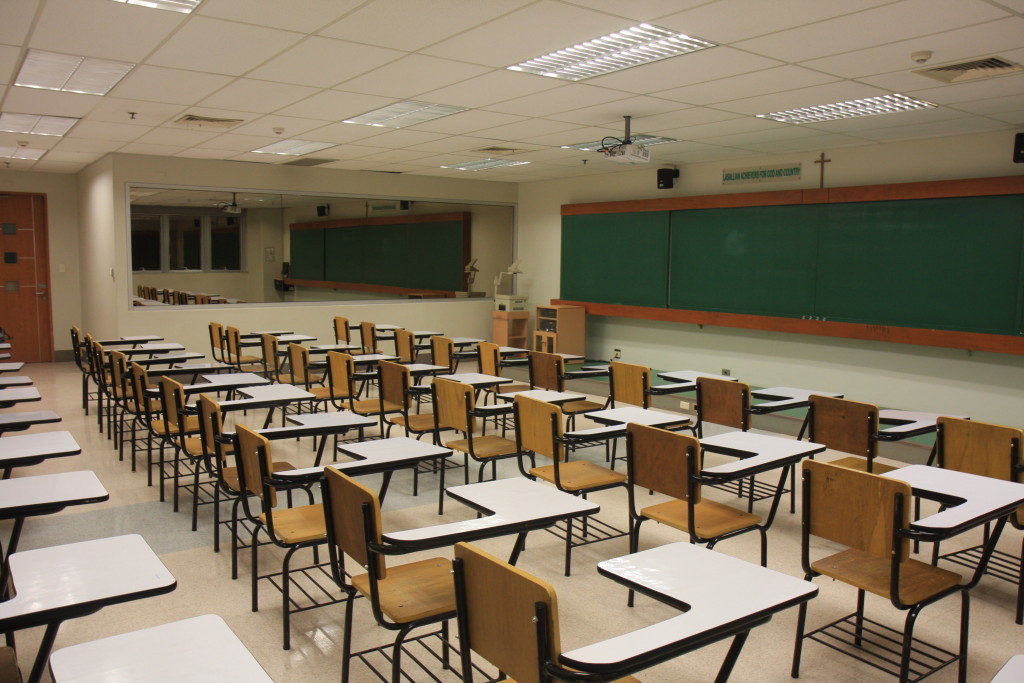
998	343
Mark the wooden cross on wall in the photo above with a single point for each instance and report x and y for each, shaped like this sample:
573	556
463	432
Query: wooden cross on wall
822	160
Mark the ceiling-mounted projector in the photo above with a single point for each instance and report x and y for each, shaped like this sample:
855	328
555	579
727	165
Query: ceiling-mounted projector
232	209
628	154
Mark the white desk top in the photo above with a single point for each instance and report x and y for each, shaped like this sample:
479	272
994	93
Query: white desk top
35	446
90	574
15	381
546	395
982	496
424	368
721	592
296	338
49	493
570	356
157	347
16	421
781	398
509	506
1012	671
367	358
229	380
19	395
423	334
5	346
510	350
908	422
377	456
476	379
276	392
465	341
643	416
339	419
168	358
756	451
185	369
197	649
684	377
11	367
324	348
256	333
141	338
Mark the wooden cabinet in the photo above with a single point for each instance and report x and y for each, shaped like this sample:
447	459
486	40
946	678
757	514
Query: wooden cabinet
510	328
560	329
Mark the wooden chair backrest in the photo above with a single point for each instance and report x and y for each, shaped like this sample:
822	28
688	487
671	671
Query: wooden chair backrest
340	367
659	460
442	352
76	348
217	341
211	426
298	362
97	354
405	343
271	361
537	425
723	402
172	402
854	508
181	298
233	339
629	383
978	448
488	353
254	464
394	383
450	401
119	374
843	425
499	614
169	297
368	337
341	331
202	299
343	506
546	370
140	380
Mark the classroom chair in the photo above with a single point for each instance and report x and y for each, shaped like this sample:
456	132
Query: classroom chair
240	361
342	334
539	432
181	432
368	337
401	597
547	371
341	378
83	360
273	366
989	451
670	463
217	342
847	426
870	516
405	346
489	362
289	528
442	352
304	374
396	396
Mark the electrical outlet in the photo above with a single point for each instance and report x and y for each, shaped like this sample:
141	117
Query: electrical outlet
616	354
727	372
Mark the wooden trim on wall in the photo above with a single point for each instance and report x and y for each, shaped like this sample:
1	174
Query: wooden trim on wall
364	287
463	216
949	339
970	187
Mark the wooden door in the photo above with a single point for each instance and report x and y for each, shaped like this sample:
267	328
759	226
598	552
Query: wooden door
25	276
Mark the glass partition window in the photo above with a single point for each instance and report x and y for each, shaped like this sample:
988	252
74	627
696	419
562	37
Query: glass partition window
183	241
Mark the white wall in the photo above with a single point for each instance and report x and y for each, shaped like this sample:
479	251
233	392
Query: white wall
61	192
985	386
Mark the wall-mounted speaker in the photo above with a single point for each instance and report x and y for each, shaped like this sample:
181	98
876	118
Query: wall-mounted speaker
667	177
1018	148
323	210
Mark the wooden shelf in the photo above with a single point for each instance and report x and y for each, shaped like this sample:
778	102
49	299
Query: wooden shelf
510	328
560	329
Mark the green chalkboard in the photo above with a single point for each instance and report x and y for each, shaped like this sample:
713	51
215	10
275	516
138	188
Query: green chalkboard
307	254
422	255
616	258
756	260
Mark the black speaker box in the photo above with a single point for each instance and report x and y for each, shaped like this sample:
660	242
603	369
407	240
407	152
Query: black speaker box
666	178
1018	148
323	210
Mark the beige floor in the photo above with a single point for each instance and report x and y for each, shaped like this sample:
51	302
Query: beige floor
591	606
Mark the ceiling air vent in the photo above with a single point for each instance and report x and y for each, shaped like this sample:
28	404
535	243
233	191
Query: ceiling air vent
989	67
497	151
308	161
207	121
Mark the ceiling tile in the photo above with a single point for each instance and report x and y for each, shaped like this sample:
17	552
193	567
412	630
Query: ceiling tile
72	157
657	125
155	150
743	124
611	113
238	143
160	84
840	91
393	139
467	122
106	131
976	90
639	10
857	125
117	110
334	105
496	86
993	105
293	126
324	62
89	145
34	141
760	82
527	129
9	58
101	28
928	130
49	102
205	153
246	94
412	75
413	25
221	47
576	136
17	21
342	132
456	143
306	16
535	30
46	166
893	22
568	97
696	67
175	137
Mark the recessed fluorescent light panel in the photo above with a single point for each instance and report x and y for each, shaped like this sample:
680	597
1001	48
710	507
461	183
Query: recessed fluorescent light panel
35	125
884	104
645	140
68	73
183	6
402	114
631	47
21	153
294	148
484	164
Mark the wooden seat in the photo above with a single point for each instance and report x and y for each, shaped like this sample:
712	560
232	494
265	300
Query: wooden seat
869	515
290	528
989	451
670	463
401	597
539	432
455	408
510	618
847	426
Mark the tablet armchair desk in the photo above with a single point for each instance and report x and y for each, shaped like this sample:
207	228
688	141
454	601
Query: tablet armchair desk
32	449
